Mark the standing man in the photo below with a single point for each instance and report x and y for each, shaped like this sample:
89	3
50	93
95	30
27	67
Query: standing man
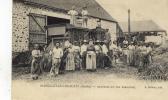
83	53
73	13
131	49
57	54
113	51
77	57
105	56
98	51
84	16
35	65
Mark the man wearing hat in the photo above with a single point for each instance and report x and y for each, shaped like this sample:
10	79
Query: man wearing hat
73	13
98	51
83	53
84	16
57	54
35	65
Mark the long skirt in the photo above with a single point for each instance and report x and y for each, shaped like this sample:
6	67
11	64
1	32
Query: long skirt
126	56
77	60
70	62
84	60
55	66
91	61
130	57
141	61
136	59
35	67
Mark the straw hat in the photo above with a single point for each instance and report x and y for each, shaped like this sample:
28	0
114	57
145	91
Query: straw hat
84	41
97	41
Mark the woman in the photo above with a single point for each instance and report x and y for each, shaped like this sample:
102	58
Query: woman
125	53
131	53
70	64
77	57
91	57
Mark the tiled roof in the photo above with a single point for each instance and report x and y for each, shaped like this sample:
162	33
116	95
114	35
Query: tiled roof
141	26
93	7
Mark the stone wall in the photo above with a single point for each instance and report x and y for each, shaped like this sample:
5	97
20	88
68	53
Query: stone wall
20	21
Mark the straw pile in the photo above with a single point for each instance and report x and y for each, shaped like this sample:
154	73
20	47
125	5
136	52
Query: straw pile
158	70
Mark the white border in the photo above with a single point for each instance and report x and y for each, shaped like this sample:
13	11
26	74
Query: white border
5	48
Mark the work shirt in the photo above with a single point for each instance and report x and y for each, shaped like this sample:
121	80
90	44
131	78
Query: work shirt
97	48
144	50
73	14
148	49
67	44
84	13
113	47
131	47
83	49
104	49
36	53
76	48
56	53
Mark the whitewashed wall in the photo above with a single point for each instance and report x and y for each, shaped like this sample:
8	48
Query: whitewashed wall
112	28
92	23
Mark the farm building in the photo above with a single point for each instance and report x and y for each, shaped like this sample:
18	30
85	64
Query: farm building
144	31
30	18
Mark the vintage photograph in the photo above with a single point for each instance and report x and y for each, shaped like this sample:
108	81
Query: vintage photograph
81	44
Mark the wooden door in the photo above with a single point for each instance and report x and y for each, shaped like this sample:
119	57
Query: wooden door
37	31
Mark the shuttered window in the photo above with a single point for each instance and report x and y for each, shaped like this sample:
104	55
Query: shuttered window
38	33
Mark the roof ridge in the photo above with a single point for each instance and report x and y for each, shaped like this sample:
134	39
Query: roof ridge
60	5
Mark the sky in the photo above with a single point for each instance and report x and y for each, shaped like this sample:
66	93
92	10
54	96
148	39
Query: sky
156	10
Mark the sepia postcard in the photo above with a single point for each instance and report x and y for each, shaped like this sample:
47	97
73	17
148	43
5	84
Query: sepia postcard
89	50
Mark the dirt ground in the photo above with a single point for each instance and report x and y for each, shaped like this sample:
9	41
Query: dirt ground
119	83
82	76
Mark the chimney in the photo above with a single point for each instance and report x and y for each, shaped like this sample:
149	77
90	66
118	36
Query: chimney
129	23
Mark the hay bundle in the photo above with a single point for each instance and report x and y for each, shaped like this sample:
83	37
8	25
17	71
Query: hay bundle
155	71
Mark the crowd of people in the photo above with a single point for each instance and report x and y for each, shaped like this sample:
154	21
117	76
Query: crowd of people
88	56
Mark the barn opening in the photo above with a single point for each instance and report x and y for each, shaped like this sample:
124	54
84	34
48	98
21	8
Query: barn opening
37	31
55	20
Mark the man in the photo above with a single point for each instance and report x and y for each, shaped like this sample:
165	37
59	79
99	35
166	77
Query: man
131	49
114	51
105	56
83	53
57	54
77	57
98	51
73	13
149	56
84	16
35	65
